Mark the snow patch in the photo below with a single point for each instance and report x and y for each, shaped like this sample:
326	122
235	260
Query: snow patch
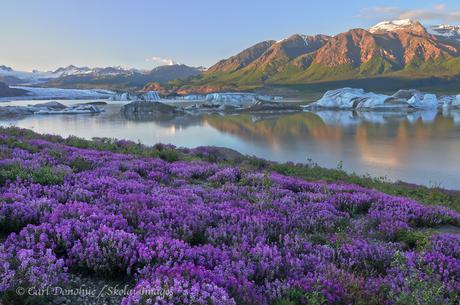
450	32
305	39
389	26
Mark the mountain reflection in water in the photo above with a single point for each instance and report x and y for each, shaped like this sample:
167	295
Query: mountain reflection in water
418	147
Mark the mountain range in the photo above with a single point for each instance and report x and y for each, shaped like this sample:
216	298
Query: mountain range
119	79
104	78
386	57
402	50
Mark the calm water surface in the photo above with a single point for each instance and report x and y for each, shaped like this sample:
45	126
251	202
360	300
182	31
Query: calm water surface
417	147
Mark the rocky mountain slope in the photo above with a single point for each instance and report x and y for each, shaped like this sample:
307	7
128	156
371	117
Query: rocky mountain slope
402	49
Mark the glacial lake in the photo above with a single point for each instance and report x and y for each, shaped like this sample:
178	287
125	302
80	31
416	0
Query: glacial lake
415	147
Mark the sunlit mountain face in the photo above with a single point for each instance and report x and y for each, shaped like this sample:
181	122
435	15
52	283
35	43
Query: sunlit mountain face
400	49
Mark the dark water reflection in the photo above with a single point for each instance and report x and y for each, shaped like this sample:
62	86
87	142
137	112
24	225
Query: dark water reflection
418	147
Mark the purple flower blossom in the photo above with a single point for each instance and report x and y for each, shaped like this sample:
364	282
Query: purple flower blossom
194	232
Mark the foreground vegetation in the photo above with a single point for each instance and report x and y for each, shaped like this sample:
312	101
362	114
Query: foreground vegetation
210	226
311	172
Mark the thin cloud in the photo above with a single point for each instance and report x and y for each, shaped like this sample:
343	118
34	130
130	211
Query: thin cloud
161	61
440	7
381	12
440	12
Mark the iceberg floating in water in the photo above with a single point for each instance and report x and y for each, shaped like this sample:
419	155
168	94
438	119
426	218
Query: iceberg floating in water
350	98
232	99
48	105
423	101
238	99
451	101
456	101
78	109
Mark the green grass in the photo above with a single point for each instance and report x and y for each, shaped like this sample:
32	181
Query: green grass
44	175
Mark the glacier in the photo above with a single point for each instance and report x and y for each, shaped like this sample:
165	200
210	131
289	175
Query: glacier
37	77
37	93
194	97
149	96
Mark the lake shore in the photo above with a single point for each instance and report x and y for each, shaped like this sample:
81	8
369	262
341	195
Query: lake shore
229	157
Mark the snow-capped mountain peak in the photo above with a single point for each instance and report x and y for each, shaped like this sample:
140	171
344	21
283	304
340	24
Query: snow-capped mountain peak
71	70
449	33
390	26
444	30
111	70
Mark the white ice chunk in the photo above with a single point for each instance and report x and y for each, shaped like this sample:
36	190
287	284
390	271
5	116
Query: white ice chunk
350	98
456	101
232	99
79	109
426	101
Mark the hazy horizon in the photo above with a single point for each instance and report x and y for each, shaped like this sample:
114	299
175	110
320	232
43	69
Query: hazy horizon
143	34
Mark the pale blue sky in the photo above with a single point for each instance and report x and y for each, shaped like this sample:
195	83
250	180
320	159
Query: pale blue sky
46	34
